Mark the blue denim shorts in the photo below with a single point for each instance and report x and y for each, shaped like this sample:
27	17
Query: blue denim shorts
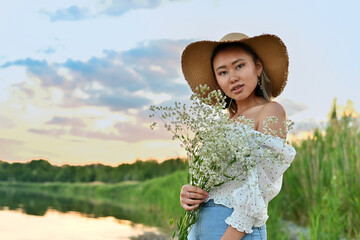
211	224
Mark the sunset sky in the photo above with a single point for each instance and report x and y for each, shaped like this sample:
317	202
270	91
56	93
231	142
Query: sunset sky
77	77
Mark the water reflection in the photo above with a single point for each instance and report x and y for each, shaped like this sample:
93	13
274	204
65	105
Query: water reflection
47	208
55	225
37	204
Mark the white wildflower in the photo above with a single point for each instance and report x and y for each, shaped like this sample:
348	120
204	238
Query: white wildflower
213	144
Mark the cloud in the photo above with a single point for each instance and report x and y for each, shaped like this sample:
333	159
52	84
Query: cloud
118	100
106	71
308	125
23	87
48	50
62	124
292	107
31	63
133	133
72	13
158	61
123	81
48	132
119	7
119	80
47	73
127	132
6	122
7	147
74	122
114	9
124	131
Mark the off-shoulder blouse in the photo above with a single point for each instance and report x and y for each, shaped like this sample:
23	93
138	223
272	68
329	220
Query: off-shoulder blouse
249	198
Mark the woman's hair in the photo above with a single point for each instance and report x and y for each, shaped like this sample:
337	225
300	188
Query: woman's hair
262	90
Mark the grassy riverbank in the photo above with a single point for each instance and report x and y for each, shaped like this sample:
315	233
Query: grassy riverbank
152	202
156	200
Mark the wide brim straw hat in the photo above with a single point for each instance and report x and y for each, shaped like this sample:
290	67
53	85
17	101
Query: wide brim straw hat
196	60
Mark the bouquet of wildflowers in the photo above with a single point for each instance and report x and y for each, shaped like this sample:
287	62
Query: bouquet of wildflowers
213	145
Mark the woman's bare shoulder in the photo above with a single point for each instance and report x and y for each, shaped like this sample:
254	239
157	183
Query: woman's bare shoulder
273	108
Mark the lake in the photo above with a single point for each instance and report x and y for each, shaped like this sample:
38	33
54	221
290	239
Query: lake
33	216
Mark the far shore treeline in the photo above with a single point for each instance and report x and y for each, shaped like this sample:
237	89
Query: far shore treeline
42	171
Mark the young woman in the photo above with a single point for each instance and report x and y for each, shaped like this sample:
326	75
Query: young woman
250	72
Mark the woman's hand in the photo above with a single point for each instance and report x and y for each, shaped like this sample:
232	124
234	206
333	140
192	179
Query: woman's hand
191	197
232	234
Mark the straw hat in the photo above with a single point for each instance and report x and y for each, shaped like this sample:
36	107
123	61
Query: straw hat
196	60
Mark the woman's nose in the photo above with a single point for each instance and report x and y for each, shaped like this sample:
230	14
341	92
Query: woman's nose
233	77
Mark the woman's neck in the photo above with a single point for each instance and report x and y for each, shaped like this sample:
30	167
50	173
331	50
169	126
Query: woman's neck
248	103
244	105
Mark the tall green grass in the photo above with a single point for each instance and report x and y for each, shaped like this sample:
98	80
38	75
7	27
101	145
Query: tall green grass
321	189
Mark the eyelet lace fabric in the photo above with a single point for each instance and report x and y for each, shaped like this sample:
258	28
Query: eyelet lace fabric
249	197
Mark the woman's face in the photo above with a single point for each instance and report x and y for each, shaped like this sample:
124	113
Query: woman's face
236	72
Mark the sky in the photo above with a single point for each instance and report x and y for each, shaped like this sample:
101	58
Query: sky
77	78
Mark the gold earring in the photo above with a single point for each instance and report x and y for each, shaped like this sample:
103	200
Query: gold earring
259	82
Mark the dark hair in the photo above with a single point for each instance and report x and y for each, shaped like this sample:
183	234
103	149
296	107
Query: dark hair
265	82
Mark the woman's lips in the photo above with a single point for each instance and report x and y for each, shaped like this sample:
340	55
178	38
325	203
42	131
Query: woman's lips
237	88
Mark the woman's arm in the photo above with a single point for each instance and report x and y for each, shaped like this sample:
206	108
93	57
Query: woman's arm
191	197
232	234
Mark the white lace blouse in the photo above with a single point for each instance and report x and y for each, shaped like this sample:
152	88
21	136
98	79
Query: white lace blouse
250	198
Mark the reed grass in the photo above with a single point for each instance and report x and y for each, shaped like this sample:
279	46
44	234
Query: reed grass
321	189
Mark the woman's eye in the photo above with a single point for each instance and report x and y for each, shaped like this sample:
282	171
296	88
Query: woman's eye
240	65
222	73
